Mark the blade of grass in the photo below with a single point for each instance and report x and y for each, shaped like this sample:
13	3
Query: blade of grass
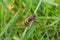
1	15
54	23
5	15
24	33
37	6
27	35
11	22
42	37
38	35
46	32
48	18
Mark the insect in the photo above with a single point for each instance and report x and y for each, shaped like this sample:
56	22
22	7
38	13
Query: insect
29	20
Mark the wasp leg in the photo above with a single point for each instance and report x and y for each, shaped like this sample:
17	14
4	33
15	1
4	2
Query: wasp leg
31	23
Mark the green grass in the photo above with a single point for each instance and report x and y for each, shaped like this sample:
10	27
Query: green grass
45	27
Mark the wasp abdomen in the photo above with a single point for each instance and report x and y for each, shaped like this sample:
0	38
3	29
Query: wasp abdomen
29	20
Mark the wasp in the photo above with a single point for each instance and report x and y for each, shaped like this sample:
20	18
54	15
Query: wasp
29	20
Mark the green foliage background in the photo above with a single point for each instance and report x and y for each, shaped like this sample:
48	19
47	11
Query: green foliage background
14	12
